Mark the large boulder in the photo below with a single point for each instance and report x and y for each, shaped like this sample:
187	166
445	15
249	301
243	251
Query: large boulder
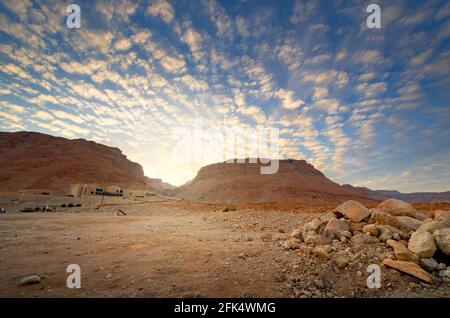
442	216
422	244
336	227
399	207
408	223
353	210
430	225
409	268
381	217
402	253
442	238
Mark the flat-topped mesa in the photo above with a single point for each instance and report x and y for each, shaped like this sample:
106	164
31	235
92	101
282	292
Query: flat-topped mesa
33	160
236	182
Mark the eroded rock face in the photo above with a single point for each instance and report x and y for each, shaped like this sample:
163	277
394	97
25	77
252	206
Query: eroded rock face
422	244
401	208
409	268
353	210
442	238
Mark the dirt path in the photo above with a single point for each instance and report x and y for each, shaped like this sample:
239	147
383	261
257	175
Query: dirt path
181	249
154	251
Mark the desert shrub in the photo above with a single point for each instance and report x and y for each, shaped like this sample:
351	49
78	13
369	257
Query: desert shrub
27	210
70	205
63	205
228	209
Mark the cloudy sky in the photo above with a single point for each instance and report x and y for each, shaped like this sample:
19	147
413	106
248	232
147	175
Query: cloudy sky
370	107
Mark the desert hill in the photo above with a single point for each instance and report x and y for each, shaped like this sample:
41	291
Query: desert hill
295	181
31	160
159	186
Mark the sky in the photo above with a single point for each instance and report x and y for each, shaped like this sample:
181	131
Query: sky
368	107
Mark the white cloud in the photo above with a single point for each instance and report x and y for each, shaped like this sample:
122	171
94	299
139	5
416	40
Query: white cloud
163	9
288	101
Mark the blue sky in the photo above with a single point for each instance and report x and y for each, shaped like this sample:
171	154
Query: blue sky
370	107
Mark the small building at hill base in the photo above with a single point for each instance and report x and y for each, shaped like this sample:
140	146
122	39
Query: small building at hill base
81	190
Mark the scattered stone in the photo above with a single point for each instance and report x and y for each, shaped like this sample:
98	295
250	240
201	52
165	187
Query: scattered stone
346	234
108	276
430	225
402	253
409	268
266	237
396	236
312	225
402	234
445	275
429	264
295	243
360	239
371	229
441	266
319	283
356	227
408	223
321	252
307	249
29	280
422	244
310	239
325	218
386	235
297	233
401	208
353	210
341	262
325	238
243	256
442	238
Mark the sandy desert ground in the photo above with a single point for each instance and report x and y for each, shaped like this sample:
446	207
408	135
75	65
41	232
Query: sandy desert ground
170	248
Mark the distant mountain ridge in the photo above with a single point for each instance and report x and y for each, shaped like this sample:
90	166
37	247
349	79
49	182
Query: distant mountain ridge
416	196
409	197
31	160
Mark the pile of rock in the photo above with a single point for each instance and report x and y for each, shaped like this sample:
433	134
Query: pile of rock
414	237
